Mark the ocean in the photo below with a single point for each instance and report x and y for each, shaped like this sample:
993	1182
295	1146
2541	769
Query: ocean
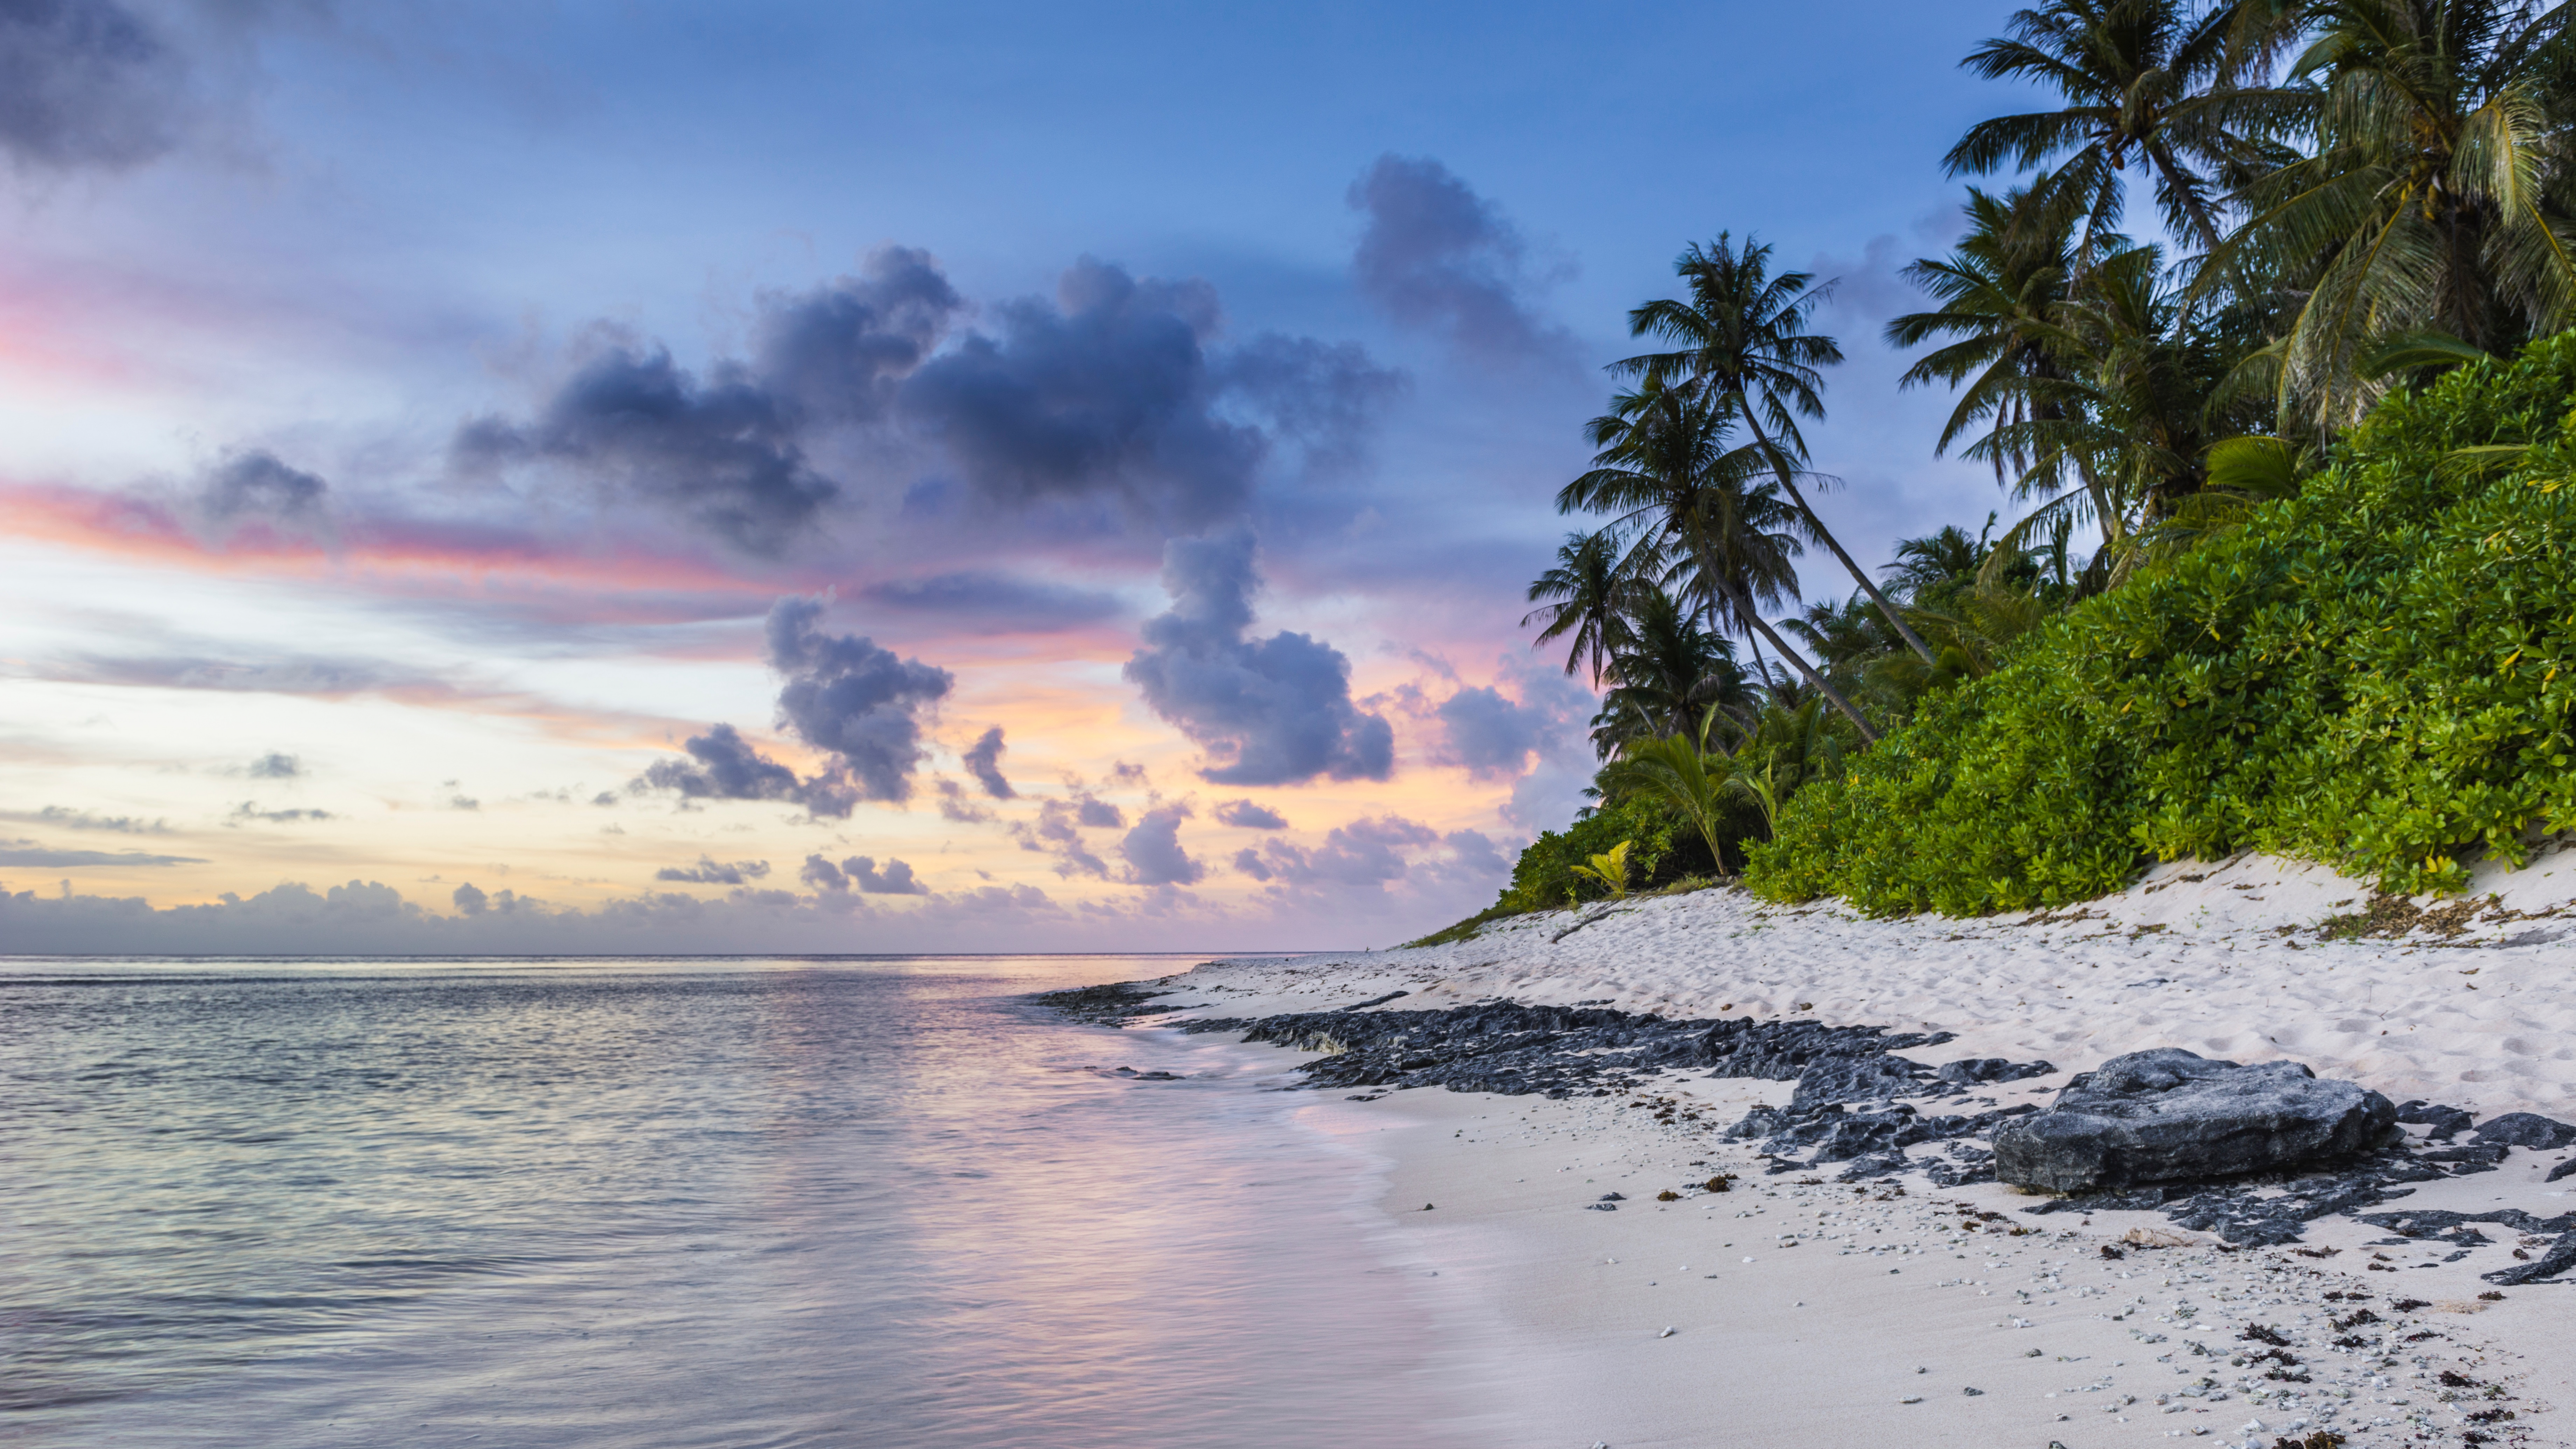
728	1202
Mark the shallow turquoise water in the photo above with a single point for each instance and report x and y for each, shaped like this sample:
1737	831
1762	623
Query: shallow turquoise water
735	1203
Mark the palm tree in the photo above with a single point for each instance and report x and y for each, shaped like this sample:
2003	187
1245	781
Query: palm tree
2143	80
1590	589
1665	470
1669	669
1999	292
1743	335
2429	220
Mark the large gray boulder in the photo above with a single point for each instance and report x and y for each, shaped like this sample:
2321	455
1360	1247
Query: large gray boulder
2169	1115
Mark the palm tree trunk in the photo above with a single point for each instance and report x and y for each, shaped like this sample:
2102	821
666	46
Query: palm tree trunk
1752	618
1780	464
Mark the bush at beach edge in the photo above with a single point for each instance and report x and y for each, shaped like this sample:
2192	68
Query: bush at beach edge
2374	674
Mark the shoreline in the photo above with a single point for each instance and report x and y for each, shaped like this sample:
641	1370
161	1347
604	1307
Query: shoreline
1955	1314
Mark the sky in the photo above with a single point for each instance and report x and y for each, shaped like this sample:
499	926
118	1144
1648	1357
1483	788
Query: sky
613	477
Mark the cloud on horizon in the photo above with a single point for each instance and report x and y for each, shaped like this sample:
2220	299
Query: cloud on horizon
714	872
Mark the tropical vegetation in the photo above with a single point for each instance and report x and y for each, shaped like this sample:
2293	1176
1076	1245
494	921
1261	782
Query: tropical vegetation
2286	565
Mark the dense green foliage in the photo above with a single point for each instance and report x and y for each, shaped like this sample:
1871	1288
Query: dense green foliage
2373	674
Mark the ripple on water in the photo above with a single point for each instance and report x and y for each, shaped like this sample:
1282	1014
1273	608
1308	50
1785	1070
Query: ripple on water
609	1204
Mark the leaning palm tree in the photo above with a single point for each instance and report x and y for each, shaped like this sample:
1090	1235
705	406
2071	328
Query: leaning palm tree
1743	335
2143	81
2428	220
1585	595
1665	470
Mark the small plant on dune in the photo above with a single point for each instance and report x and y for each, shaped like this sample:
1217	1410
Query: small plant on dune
1610	870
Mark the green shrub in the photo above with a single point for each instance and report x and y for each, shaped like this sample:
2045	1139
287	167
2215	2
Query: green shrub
2375	674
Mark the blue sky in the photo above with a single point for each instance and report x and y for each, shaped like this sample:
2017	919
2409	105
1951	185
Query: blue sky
1064	371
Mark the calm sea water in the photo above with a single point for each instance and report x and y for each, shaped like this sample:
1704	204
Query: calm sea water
610	1203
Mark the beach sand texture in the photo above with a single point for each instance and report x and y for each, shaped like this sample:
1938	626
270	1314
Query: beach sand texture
1808	1311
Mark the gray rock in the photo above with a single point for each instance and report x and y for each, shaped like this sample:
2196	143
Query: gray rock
2525	1129
2560	1257
2170	1115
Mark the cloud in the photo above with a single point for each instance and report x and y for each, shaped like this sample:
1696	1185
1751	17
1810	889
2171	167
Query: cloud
839	350
1057	832
1435	255
1491	736
1248	816
1097	814
1153	849
846	696
66	818
84	83
861	871
953	805
1364	854
722	765
29	853
1270	711
1248	861
722	452
249	810
996	603
1105	392
1123	773
1326	397
469	901
257	485
275	766
714	872
463	802
984	762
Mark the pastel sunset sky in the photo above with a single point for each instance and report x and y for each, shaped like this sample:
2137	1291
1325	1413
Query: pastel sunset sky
790	477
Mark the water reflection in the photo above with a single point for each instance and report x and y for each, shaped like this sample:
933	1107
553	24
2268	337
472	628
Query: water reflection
653	1203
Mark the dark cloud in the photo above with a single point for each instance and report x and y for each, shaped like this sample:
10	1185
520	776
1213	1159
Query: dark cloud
1153	849
715	872
1248	861
1438	256
249	810
722	765
996	603
1123	773
954	805
1057	832
1491	736
469	900
1327	397
1106	392
275	766
1248	816
29	853
64	817
1364	854
84	83
1270	711
860	871
1097	814
722	453
257	485
846	696
838	351
984	762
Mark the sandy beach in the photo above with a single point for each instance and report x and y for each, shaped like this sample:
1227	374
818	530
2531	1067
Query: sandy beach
1794	1308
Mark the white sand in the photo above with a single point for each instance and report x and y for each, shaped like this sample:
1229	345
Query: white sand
1809	1313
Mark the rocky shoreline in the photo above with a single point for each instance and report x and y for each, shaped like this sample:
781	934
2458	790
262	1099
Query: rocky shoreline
1858	1106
